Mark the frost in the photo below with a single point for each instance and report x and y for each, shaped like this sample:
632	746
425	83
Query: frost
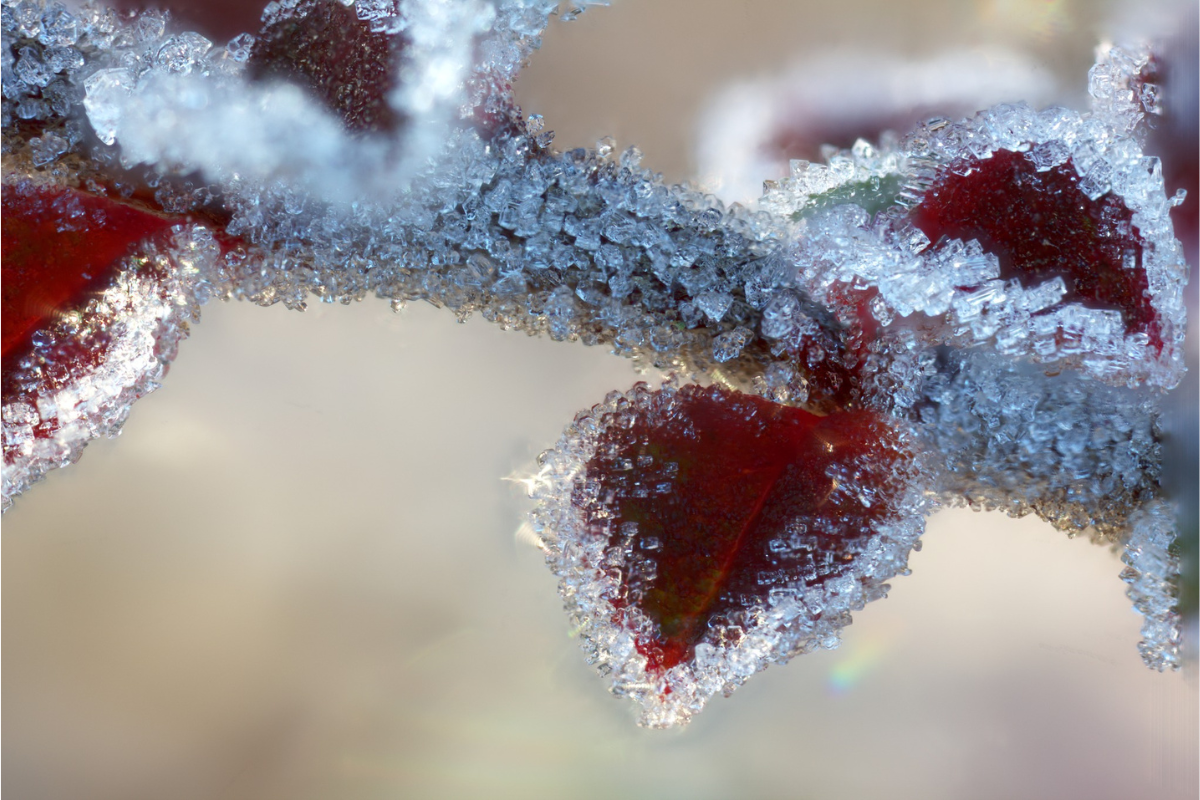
182	53
1149	565
728	346
239	47
825	296
46	149
105	90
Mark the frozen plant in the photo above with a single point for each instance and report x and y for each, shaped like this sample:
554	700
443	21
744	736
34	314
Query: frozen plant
986	311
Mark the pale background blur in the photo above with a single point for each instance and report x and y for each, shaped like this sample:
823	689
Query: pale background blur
295	575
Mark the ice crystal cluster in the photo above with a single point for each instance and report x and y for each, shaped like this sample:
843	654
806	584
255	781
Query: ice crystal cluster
984	311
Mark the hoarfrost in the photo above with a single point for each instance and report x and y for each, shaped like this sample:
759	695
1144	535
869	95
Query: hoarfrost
824	295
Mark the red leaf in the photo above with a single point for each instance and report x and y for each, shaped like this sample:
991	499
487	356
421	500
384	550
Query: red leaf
709	518
93	308
323	46
61	247
1041	225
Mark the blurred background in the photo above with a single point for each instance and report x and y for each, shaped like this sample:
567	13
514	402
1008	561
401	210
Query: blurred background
297	574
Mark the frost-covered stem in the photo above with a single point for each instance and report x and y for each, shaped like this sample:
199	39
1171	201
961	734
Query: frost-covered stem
1151	561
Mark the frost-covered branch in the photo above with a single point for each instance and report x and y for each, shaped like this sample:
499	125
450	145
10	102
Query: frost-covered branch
993	306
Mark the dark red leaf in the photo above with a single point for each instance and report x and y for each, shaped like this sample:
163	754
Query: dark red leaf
729	498
1041	225
61	247
324	47
97	296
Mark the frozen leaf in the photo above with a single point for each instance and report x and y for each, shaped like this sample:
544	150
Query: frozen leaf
1041	225
97	294
702	533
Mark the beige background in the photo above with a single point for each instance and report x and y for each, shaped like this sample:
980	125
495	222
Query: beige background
296	576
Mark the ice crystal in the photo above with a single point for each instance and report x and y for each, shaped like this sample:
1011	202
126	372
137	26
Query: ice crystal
879	285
